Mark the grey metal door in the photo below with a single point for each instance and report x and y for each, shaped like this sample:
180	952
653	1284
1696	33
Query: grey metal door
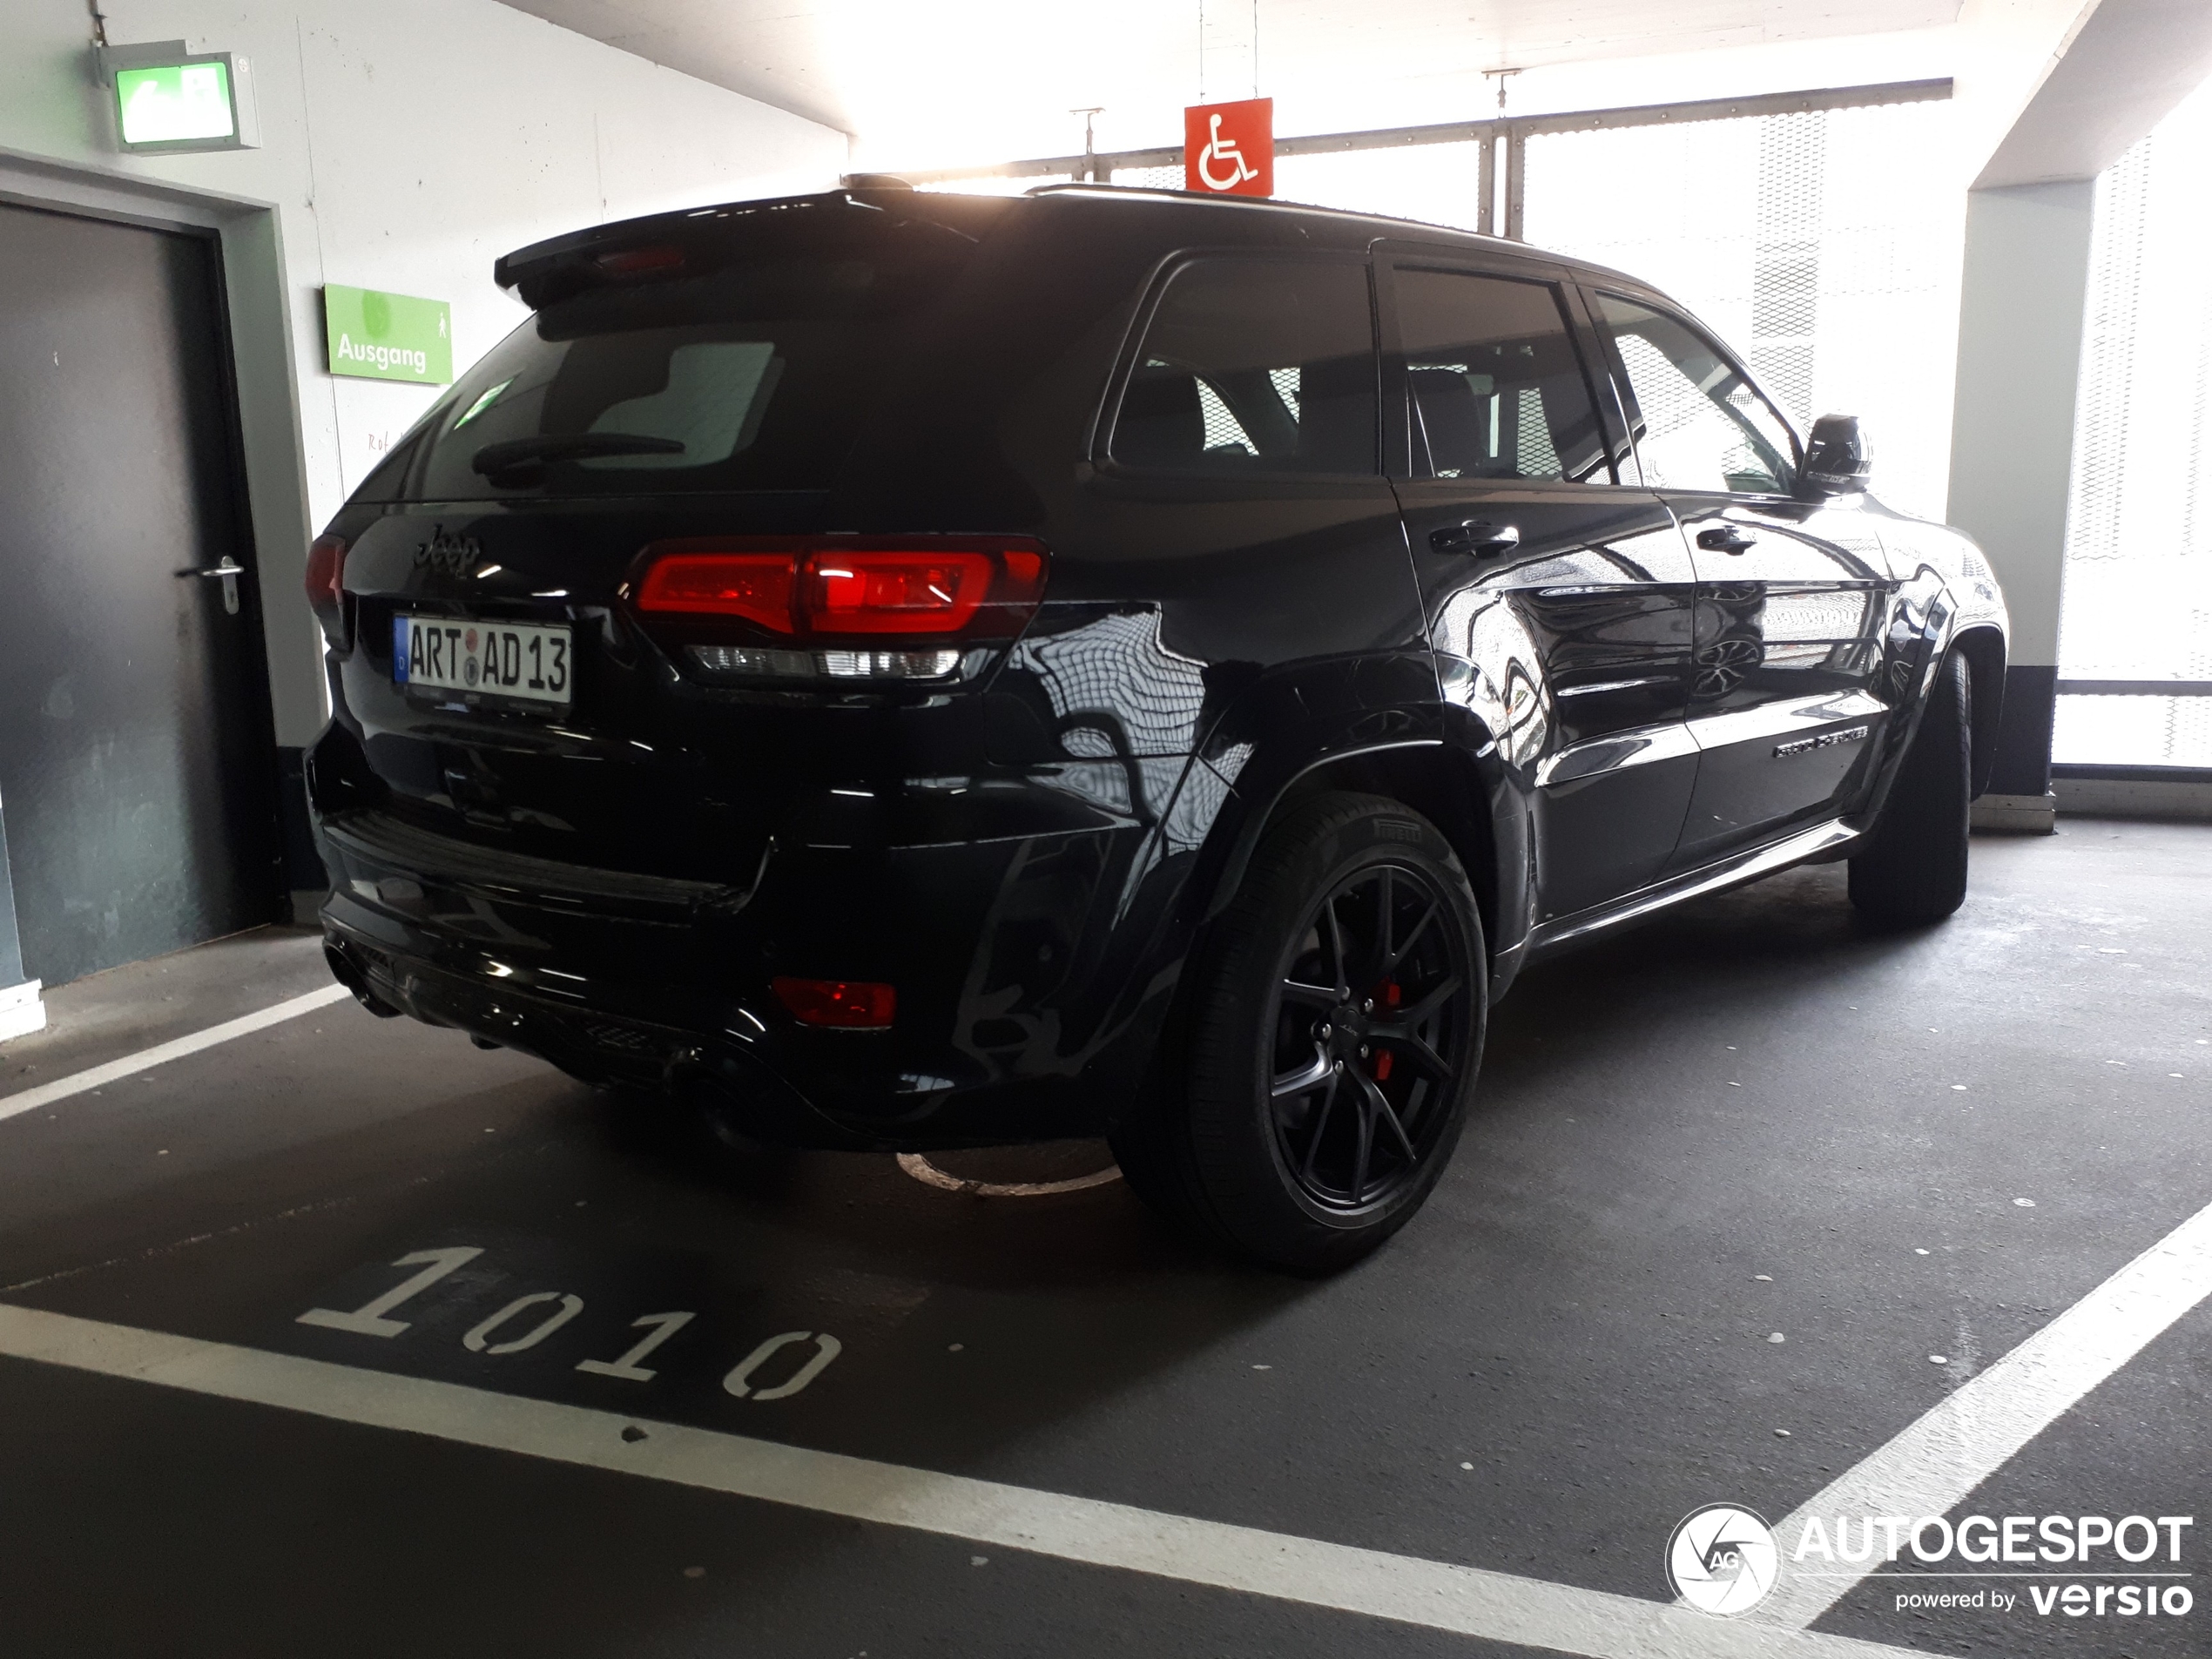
135	755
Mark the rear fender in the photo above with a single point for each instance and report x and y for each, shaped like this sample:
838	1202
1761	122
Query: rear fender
1292	737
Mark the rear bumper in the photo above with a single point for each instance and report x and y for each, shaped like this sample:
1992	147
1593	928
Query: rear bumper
1008	956
602	1047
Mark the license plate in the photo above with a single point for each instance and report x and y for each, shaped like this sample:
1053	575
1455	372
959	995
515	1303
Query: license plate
522	661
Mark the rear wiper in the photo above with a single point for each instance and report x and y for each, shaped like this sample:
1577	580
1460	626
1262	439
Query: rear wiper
494	458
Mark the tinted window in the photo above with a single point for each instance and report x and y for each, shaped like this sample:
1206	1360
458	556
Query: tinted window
753	376
1254	366
1494	388
1698	422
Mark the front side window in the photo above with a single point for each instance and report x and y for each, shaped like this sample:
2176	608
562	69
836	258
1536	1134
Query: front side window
1697	422
1253	365
1494	386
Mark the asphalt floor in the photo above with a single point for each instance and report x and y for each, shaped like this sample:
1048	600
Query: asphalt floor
1755	1116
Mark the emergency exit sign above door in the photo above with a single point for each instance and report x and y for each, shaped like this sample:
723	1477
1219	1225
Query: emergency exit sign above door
387	336
167	99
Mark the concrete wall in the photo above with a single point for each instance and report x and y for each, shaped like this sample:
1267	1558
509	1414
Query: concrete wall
2110	76
406	143
2025	281
2022	296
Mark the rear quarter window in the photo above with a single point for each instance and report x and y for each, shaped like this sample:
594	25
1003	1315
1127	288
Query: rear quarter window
1254	365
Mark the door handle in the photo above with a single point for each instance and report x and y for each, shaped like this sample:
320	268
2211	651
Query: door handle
1725	538
227	573
1475	536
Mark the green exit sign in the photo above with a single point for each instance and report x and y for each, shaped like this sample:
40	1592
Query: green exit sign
387	336
167	99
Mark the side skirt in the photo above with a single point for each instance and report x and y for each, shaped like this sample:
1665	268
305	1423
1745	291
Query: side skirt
1822	841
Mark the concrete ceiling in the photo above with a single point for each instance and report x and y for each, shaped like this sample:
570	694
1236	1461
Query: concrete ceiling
993	79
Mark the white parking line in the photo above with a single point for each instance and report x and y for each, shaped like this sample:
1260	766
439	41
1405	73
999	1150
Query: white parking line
1434	1595
245	1026
1929	1468
930	1176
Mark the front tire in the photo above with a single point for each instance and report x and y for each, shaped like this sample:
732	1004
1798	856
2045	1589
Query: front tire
1332	1025
1912	868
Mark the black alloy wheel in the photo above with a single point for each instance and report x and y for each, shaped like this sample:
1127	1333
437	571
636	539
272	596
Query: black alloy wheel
1327	1036
1370	1026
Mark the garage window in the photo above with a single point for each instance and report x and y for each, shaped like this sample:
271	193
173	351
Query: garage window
1254	366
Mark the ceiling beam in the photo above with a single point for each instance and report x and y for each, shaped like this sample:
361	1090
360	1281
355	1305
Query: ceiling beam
2126	68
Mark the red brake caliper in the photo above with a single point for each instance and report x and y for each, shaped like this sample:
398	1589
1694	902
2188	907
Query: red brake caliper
1390	997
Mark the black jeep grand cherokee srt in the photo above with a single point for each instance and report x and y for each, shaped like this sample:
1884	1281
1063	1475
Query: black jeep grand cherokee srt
915	670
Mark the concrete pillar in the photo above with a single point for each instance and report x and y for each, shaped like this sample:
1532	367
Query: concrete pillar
21	1011
2022	303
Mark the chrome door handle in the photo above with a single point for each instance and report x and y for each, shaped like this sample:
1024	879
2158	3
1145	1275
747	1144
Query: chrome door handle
1475	536
227	573
1726	538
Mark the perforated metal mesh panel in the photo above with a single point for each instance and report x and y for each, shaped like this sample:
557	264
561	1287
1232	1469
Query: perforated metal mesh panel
1150	177
1223	430
1820	244
2138	596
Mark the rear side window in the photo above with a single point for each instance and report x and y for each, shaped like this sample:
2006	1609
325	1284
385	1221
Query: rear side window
1252	365
755	374
1494	386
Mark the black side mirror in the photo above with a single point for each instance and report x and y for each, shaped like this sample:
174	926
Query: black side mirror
1837	461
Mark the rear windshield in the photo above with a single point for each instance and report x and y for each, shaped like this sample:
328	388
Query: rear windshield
753	374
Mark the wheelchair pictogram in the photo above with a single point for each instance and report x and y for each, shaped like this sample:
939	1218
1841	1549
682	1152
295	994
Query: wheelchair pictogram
1234	171
1229	149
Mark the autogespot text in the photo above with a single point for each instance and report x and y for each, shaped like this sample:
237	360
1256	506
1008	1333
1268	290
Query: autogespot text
2131	1564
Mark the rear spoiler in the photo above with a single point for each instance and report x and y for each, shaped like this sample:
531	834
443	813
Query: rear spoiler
695	241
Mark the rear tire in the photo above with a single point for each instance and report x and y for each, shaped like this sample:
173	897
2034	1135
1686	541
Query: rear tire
1317	1079
1913	867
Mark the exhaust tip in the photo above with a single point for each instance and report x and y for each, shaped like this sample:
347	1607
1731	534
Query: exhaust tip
348	974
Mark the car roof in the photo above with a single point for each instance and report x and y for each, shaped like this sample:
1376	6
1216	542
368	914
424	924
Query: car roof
1350	224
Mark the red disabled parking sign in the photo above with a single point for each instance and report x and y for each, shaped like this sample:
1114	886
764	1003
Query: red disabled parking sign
1229	149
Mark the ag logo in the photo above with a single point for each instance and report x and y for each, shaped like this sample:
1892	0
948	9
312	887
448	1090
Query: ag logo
1722	1559
447	554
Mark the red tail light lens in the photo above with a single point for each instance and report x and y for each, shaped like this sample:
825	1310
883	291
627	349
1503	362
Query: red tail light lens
946	588
327	586
895	593
755	586
640	262
851	1005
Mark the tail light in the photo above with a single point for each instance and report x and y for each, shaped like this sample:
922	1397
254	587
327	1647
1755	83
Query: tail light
327	587
862	608
851	1005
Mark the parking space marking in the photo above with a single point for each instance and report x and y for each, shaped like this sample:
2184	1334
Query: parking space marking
929	1175
790	1359
1467	1601
1930	1467
246	1025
